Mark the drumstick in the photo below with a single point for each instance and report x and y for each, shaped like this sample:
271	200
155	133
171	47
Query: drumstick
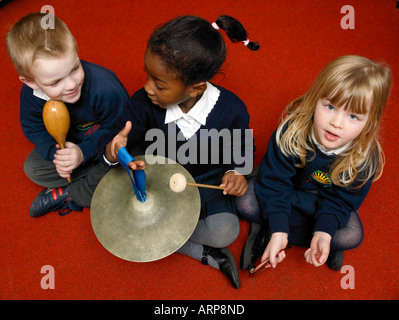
178	183
57	121
204	185
264	265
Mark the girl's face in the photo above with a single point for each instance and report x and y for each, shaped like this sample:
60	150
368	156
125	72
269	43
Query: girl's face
164	87
335	126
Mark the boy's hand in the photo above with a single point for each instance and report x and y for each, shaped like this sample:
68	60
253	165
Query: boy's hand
275	248
68	159
235	184
319	249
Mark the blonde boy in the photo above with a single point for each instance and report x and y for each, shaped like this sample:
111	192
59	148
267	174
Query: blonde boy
48	64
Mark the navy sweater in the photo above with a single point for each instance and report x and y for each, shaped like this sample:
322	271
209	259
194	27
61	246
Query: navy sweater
102	100
281	186
228	113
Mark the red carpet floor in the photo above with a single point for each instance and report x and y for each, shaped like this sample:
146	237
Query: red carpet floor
297	39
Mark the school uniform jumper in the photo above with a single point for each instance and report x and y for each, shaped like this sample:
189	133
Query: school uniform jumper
103	99
228	113
293	199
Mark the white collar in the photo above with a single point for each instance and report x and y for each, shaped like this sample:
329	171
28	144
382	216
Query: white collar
190	122
40	94
199	111
331	152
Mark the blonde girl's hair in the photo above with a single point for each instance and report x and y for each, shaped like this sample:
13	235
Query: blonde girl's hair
355	83
27	41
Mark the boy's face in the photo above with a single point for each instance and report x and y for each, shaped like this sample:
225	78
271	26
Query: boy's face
61	78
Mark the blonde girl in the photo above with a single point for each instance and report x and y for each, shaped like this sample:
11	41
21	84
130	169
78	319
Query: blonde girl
319	167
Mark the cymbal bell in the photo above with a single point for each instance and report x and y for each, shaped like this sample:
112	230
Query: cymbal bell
148	231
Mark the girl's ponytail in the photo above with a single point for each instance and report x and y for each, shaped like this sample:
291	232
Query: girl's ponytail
235	31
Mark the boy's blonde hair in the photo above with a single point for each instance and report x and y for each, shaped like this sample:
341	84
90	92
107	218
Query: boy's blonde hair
27	41
355	83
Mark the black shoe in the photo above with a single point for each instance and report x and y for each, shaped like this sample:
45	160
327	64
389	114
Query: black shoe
53	199
335	260
226	262
246	253
255	246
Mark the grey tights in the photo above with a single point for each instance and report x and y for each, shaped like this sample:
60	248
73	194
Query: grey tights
217	231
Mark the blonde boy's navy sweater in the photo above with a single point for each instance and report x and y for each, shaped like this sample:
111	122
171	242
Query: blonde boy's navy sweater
103	99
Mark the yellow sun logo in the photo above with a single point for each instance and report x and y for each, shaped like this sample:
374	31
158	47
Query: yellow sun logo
321	177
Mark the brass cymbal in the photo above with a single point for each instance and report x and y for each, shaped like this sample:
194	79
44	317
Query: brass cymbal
143	232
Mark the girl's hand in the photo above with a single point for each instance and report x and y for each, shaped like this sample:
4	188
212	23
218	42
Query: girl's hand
275	248
120	140
235	184
68	159
319	249
137	165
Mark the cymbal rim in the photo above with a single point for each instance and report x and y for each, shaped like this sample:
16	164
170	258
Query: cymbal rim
135	235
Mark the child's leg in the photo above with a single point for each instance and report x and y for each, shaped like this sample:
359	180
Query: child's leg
209	241
346	238
248	209
247	205
349	237
82	189
42	172
69	196
217	231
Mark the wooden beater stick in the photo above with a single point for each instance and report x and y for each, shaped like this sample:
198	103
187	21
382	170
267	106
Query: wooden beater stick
178	183
204	185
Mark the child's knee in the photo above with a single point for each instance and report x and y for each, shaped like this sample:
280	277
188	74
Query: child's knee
225	230
28	169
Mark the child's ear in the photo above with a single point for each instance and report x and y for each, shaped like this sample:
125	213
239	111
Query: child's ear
30	83
197	89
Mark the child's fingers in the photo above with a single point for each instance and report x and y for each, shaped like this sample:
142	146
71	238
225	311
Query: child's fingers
315	261
265	255
120	140
276	258
281	256
234	185
323	257
232	188
125	131
307	256
318	258
137	165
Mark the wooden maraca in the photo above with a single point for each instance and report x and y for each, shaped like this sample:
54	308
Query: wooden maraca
57	121
178	183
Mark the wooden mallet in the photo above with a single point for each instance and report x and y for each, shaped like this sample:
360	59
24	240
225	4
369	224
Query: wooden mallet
57	121
178	183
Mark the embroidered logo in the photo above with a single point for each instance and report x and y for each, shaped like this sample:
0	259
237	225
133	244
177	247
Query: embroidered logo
321	177
88	126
